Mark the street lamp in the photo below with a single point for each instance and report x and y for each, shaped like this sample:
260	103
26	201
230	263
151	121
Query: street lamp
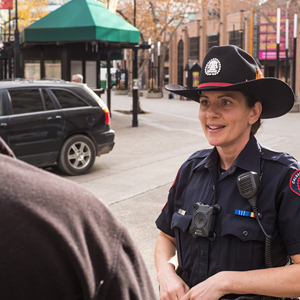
158	66
295	48
278	42
16	46
125	58
152	60
135	77
286	47
149	68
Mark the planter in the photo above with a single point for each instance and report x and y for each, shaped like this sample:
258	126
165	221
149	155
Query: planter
121	92
295	108
154	95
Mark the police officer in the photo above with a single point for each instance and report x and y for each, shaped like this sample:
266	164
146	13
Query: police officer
233	213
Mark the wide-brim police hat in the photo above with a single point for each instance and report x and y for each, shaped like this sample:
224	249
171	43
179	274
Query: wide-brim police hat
231	68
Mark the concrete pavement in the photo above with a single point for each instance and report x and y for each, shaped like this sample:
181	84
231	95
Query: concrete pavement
133	180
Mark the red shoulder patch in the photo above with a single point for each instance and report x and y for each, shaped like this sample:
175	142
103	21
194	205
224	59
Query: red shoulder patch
295	182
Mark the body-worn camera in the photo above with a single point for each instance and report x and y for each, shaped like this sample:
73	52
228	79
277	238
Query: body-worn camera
203	220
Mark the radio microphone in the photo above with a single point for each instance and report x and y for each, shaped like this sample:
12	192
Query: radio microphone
249	186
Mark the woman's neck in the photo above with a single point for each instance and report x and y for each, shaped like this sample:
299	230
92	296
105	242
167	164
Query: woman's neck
229	155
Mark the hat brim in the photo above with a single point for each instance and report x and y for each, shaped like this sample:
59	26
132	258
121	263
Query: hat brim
276	96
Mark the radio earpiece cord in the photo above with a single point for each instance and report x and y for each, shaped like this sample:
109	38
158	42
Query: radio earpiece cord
249	185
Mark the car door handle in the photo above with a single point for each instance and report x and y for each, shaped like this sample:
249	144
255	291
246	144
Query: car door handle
52	118
3	124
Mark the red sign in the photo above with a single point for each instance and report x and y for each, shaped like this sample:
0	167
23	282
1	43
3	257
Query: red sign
6	4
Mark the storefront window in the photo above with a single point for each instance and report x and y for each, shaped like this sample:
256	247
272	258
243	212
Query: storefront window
32	69
52	69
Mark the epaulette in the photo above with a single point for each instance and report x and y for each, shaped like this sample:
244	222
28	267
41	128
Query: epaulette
280	157
200	154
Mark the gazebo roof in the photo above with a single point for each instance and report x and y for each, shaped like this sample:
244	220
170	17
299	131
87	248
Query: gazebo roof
80	21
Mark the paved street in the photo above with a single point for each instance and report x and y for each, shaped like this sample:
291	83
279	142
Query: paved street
133	180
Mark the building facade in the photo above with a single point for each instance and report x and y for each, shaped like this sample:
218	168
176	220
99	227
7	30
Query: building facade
236	23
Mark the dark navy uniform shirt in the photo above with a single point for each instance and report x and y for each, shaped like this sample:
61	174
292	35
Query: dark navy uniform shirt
240	242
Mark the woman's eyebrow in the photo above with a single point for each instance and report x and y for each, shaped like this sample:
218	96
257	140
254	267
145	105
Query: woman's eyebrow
203	96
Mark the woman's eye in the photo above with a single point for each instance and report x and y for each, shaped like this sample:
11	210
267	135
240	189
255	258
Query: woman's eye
225	102
204	102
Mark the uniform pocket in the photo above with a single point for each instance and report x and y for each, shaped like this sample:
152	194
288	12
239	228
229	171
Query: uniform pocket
243	242
246	229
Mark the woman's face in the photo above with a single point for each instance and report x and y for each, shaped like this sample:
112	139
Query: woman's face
226	119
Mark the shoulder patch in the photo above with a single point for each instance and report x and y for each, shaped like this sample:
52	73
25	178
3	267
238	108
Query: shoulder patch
295	182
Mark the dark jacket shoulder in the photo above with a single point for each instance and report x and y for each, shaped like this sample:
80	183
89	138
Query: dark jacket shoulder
280	157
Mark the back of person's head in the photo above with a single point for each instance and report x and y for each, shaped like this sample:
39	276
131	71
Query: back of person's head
77	78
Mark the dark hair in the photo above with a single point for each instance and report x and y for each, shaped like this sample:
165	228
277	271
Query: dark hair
251	100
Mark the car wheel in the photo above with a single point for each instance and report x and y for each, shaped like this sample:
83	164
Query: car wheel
77	155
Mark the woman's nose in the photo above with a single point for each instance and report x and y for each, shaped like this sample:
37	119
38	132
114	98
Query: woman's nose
212	111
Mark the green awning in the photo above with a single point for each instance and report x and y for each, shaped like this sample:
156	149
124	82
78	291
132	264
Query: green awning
81	20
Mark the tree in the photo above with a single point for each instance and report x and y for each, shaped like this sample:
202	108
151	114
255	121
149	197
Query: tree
160	19
29	11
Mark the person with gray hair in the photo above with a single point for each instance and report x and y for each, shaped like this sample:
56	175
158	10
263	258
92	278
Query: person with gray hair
77	78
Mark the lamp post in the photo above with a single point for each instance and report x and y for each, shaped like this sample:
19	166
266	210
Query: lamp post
16	46
266	52
125	59
135	76
149	68
286	48
125	70
158	66
152	60
278	42
295	48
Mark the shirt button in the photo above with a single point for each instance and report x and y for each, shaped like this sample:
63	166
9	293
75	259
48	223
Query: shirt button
201	252
245	233
213	187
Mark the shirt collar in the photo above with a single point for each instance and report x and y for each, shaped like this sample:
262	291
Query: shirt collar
248	159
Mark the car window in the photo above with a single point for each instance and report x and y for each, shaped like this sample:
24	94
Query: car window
48	102
67	99
26	101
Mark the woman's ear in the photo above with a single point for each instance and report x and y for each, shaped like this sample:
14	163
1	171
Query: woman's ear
256	112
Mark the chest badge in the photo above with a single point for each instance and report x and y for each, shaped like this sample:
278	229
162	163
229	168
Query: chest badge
295	182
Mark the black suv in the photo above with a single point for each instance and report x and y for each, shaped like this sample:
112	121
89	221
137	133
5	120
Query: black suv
55	122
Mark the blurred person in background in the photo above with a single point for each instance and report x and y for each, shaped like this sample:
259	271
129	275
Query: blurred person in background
77	78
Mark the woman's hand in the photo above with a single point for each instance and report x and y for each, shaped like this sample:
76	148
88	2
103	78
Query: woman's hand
171	286
210	289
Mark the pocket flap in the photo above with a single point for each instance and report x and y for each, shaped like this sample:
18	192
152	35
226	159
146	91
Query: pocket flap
246	229
181	221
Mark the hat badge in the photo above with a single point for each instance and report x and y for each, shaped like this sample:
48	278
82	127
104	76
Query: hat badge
213	67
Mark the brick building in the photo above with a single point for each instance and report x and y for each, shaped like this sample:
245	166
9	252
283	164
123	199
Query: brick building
230	24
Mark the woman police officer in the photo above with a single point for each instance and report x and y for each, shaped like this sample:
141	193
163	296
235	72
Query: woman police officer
231	244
